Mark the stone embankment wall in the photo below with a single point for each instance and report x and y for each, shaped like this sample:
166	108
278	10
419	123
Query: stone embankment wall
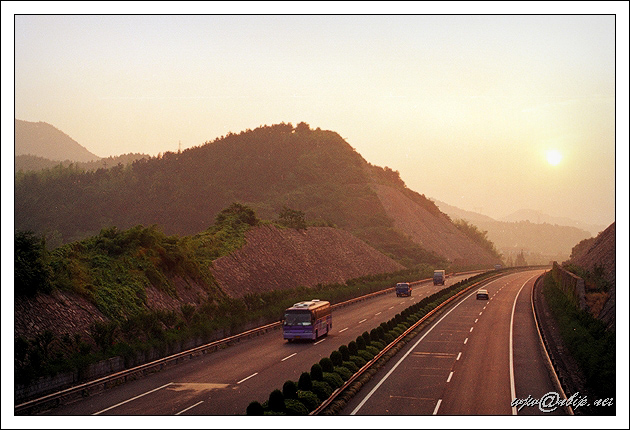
572	285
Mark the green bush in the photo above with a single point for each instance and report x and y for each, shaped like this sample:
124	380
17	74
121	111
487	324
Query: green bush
367	356
317	372
295	407
333	379
255	408
305	383
353	349
336	358
372	350
289	390
358	360
327	364
380	331
360	343
276	401
309	399
345	353
389	337
366	337
322	389
351	365
343	372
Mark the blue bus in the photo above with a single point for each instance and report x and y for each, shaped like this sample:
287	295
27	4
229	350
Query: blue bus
307	320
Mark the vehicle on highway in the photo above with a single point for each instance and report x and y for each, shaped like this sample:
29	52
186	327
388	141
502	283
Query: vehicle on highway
307	320
403	289
439	277
482	294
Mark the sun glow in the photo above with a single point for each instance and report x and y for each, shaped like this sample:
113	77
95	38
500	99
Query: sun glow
554	157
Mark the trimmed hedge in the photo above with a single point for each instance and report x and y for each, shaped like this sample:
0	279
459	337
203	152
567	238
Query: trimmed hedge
333	379
295	407
359	361
322	390
344	372
309	399
351	366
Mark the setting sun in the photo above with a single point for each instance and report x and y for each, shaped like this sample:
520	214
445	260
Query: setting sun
554	157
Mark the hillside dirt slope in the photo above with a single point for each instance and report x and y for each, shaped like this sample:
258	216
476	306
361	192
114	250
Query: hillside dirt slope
277	259
272	259
434	233
602	254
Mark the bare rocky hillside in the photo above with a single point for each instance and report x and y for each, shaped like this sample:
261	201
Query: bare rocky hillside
602	256
277	259
434	233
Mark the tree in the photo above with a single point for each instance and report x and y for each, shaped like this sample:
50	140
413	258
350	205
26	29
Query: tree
520	260
292	218
32	272
237	213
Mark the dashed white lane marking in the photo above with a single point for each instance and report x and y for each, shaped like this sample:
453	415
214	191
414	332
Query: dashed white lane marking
245	379
377	313
435	411
471	329
458	356
362	321
343	329
465	341
133	398
319	341
449	377
189	408
476	320
391	308
289	356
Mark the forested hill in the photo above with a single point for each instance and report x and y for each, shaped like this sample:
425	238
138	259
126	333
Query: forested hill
268	169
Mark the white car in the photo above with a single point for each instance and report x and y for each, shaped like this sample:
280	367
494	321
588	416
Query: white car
482	294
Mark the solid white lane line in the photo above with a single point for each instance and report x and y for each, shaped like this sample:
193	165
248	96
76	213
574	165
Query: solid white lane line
449	377
133	398
289	356
189	408
343	329
245	379
435	411
512	386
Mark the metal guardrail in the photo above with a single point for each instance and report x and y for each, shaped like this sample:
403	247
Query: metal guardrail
85	389
392	344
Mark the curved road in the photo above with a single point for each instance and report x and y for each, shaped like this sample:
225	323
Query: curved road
226	381
473	360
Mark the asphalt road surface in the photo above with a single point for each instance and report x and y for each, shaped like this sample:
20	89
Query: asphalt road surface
226	381
473	360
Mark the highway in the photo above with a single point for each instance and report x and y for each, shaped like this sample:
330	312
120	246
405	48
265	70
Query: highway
226	381
473	360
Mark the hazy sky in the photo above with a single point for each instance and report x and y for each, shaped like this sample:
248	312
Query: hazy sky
465	107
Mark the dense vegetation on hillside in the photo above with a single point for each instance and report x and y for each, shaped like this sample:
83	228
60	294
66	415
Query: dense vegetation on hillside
113	271
268	169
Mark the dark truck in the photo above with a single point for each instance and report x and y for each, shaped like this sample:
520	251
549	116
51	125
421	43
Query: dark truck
403	289
439	277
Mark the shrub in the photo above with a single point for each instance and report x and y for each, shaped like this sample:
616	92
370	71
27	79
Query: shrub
327	364
289	390
378	345
317	372
380	332
367	356
389	337
366	337
353	349
360	343
255	408
372	350
333	379
276	401
322	389
351	365
345	353
344	372
336	358
309	399
295	407
359	361
304	383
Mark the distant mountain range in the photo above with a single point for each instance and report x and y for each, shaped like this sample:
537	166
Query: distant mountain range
541	237
43	140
